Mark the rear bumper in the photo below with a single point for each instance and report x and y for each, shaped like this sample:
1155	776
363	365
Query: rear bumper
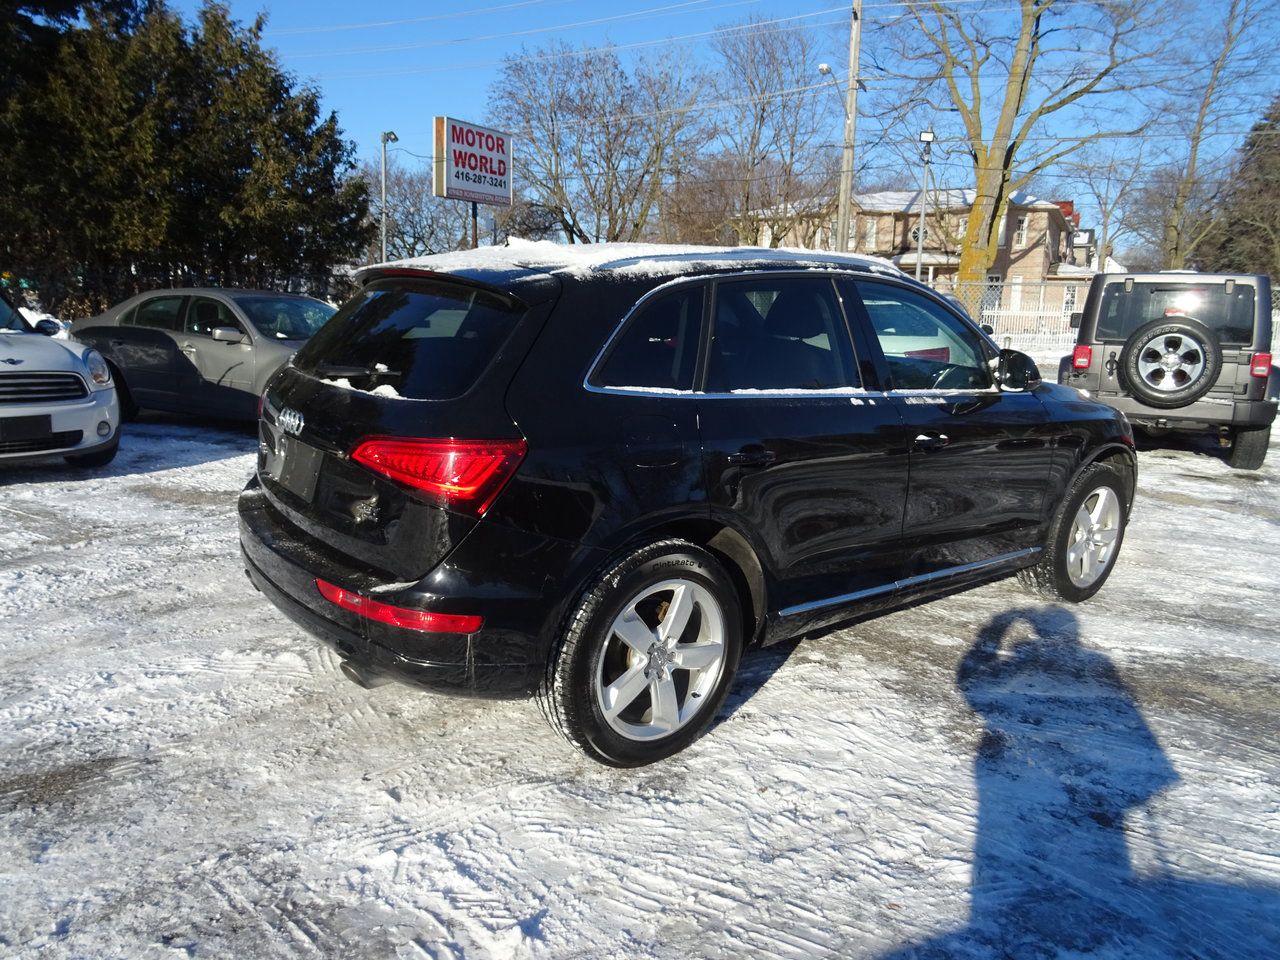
506	576
74	425
1208	412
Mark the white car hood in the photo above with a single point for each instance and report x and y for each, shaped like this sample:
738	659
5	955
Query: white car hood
36	353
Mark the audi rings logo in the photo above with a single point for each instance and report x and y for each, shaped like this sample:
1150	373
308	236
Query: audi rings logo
290	421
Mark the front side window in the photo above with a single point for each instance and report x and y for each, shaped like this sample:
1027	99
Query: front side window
658	349
779	334
205	313
423	339
1230	315
285	318
161	313
11	321
925	345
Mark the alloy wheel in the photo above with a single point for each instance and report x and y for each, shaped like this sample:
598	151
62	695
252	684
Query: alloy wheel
1094	532
663	656
1172	361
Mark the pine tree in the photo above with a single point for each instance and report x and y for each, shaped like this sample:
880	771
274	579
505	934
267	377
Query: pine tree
1246	235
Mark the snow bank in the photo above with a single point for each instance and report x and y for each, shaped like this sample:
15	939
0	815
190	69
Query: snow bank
629	259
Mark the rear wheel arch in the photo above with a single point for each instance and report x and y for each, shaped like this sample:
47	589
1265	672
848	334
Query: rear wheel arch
729	546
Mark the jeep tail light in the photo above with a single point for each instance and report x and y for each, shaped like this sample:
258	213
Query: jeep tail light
1260	365
402	617
1082	357
465	475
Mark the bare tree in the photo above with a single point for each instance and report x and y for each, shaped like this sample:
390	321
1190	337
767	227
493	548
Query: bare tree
1112	177
1218	71
770	128
1019	88
418	222
597	141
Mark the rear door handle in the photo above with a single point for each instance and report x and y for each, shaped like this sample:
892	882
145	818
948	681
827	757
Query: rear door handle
752	458
931	441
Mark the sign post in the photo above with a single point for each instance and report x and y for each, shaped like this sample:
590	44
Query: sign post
472	163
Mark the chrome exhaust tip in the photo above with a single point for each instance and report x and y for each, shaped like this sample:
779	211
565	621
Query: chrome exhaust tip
361	677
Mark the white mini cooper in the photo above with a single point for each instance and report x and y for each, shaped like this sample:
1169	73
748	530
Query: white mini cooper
56	396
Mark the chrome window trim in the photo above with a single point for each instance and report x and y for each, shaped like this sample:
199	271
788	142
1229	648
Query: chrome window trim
906	583
833	274
710	279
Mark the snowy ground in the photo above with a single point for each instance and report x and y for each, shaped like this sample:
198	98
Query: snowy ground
186	773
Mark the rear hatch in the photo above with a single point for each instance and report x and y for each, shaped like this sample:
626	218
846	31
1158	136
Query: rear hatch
412	357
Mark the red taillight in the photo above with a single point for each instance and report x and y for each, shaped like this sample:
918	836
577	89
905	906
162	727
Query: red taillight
401	617
463	474
938	354
1260	365
1082	357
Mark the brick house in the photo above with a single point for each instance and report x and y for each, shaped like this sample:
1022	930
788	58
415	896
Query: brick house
1039	265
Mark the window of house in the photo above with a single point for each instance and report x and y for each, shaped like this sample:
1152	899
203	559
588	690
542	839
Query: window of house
779	334
659	347
1020	233
867	242
1069	298
925	346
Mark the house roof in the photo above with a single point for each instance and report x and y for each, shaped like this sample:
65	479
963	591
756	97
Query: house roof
908	201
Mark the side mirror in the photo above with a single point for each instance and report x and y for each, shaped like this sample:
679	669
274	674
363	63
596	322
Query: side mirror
988	329
1077	318
50	328
1017	371
227	334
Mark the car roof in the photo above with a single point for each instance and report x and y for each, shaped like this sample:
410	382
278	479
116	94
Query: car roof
518	264
229	291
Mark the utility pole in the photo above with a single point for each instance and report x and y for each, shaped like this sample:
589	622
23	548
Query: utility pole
844	202
926	139
388	136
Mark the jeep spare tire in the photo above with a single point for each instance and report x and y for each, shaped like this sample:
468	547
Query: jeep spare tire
1170	362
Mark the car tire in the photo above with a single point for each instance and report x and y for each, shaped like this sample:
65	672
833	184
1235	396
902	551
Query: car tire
1071	568
616	649
99	458
1139	362
1249	448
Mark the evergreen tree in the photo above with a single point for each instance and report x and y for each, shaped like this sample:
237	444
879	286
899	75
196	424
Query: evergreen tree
143	153
1246	235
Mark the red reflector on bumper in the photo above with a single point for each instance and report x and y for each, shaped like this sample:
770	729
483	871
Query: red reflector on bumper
402	617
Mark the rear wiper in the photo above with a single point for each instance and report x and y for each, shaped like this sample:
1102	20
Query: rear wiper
348	370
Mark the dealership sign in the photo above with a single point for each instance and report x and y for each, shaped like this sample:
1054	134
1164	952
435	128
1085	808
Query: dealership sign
472	162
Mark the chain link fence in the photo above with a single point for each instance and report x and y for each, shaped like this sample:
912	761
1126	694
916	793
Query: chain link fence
1034	317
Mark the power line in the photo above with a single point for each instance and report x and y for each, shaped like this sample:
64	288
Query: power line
667	9
371	24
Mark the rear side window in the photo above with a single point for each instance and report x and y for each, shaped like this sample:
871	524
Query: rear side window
1230	314
426	339
162	313
658	348
779	334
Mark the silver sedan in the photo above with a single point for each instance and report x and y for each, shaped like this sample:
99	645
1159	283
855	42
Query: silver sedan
200	350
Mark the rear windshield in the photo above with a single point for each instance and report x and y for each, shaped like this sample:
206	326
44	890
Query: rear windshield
425	339
1230	314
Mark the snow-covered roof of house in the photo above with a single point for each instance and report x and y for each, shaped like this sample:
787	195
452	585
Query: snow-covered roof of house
631	260
908	201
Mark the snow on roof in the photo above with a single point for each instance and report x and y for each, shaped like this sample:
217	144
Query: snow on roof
627	259
908	201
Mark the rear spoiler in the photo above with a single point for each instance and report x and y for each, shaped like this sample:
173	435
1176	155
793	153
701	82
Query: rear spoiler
367	275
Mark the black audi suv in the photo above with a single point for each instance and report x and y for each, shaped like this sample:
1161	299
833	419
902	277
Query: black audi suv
598	477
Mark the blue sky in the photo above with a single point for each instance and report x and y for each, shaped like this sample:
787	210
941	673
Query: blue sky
384	66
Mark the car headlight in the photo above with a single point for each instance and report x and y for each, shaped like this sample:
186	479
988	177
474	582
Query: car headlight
99	372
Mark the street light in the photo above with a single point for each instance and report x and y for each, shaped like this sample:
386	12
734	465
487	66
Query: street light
926	141
388	136
850	104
